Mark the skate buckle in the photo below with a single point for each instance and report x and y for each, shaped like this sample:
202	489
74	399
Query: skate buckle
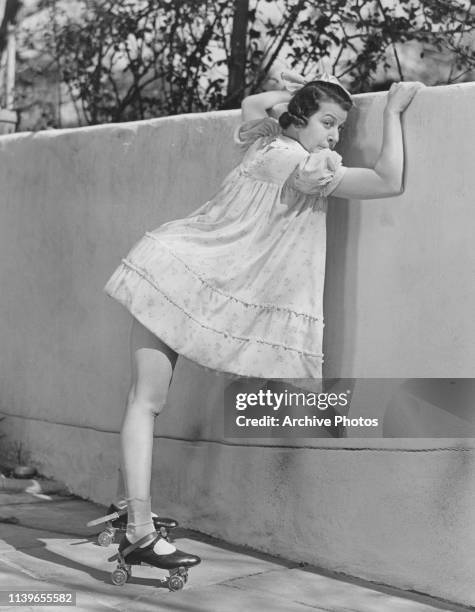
128	549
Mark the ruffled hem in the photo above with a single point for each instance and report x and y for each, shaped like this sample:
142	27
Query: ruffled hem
205	325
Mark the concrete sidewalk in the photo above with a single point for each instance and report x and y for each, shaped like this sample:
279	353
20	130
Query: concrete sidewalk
45	546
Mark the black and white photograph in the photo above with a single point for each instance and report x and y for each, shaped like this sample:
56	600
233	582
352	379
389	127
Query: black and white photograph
237	280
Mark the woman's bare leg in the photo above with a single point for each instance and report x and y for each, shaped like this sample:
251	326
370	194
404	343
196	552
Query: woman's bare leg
152	369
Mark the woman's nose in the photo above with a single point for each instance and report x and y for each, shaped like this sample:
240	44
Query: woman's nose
333	137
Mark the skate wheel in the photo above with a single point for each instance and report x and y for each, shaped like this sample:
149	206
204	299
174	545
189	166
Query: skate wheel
183	572
119	576
105	538
175	583
164	533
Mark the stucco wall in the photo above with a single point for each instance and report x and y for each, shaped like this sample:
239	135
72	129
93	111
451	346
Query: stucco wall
399	298
403	268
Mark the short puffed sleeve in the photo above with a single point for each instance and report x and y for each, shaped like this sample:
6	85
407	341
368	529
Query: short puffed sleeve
319	174
249	132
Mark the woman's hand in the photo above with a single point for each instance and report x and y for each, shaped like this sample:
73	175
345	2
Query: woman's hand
277	110
259	105
282	80
290	76
401	94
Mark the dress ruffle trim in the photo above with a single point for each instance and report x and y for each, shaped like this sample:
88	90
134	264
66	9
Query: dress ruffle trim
232	297
206	325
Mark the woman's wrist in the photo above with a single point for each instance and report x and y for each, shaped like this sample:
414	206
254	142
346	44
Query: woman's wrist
389	112
268	99
282	95
259	105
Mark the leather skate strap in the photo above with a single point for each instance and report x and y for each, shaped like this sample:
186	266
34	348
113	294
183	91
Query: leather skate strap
104	519
108	517
151	537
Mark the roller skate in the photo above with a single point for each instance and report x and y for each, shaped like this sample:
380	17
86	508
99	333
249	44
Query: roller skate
116	520
177	562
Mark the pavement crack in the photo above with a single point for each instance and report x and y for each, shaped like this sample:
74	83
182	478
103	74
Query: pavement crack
229	584
17	567
46	501
320	609
229	581
47	530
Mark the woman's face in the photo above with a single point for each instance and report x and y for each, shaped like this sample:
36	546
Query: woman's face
323	128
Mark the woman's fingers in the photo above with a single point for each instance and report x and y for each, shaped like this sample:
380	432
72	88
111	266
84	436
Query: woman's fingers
292	76
401	94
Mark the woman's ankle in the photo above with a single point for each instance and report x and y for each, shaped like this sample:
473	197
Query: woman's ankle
137	531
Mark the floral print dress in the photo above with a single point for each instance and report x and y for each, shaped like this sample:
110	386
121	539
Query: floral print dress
237	286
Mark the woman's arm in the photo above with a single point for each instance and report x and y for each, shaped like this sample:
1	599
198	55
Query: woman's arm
258	105
385	179
273	102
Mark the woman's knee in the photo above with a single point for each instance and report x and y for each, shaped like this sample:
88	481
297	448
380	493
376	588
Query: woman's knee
146	400
152	376
153	363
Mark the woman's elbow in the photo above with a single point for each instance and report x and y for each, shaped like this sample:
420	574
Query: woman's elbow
250	110
392	190
246	102
396	188
391	186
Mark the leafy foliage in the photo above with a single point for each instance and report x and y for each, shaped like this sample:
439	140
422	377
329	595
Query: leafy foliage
135	59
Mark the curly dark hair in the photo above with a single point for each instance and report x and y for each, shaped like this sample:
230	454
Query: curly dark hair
306	101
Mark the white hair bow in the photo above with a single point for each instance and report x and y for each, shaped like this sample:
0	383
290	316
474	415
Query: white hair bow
293	81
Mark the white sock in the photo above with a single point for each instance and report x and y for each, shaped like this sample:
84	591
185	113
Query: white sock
140	524
122	503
